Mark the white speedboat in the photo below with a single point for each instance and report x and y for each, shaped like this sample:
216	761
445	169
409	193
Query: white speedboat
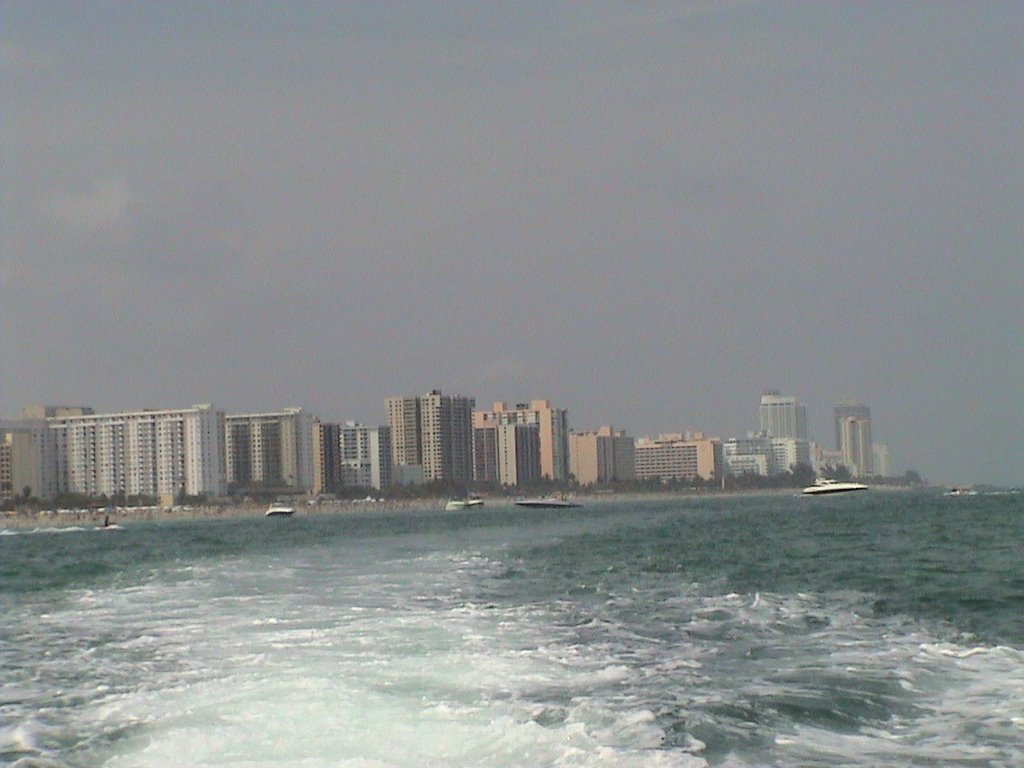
454	504
546	503
280	509
825	486
957	491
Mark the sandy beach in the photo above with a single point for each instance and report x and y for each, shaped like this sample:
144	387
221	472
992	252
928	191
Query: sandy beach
128	515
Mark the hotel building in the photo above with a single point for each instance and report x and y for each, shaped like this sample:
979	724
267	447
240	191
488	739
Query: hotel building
853	437
678	457
27	459
761	454
855	444
431	437
603	456
353	455
146	453
552	426
521	444
271	450
508	454
783	416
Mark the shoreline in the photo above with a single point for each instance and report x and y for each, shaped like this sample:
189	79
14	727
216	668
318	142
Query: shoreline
49	518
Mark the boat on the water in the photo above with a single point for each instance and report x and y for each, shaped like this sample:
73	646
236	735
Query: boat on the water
825	486
546	503
960	491
280	509
454	504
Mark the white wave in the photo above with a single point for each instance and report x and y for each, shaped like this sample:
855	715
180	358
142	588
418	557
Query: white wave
399	659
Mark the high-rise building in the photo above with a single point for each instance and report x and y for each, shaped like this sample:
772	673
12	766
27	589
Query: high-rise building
518	455
496	451
882	459
788	453
403	414
604	456
855	437
678	457
272	450
748	455
28	454
361	456
848	409
552	434
783	416
764	455
144	453
433	432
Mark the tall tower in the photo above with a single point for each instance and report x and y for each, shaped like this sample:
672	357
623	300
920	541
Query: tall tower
783	416
552	425
853	437
404	420
434	432
849	409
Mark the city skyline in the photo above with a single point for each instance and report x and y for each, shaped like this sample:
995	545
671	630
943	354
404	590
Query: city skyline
646	214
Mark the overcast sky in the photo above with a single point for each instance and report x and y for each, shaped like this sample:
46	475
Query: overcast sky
647	213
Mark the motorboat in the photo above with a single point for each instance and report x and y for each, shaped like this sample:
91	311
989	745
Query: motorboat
959	491
280	509
825	486
455	504
546	503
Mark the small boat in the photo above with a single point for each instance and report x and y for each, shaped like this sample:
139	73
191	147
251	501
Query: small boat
959	491
826	486
280	509
546	503
472	501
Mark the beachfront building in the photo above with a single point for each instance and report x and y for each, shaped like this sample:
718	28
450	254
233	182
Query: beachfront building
678	457
748	455
552	431
782	416
604	456
882	459
507	454
764	455
160	453
271	451
855	444
789	453
853	436
431	437
28	464
353	455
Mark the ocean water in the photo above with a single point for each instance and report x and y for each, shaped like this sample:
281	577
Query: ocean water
876	629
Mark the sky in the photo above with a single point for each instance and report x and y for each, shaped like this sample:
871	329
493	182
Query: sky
647	213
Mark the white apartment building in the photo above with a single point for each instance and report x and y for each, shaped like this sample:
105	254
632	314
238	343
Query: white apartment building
782	416
855	443
355	455
152	453
271	450
678	457
883	459
764	455
789	452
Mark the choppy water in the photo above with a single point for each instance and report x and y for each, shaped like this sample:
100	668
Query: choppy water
880	629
